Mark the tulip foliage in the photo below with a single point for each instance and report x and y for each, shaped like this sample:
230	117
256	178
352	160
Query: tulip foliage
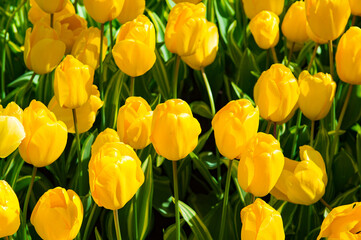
180	119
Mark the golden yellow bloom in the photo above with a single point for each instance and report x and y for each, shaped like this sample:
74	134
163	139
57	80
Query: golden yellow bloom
43	50
134	122
355	6
73	83
265	29
9	210
12	133
134	49
103	11
115	175
348	60
86	114
294	23
191	1
107	136
86	47
207	50
276	93
261	221
58	214
174	129
35	13
302	182
52	6
316	94
313	36
253	7
327	18
45	138
13	110
260	165
186	28
131	9
343	222
234	125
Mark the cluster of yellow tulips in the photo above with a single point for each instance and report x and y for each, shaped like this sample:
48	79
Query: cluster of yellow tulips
60	41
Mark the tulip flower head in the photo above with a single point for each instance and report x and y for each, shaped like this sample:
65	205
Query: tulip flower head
313	36
58	214
355	7
103	11
294	23
253	7
9	210
52	6
131	9
35	13
107	136
190	1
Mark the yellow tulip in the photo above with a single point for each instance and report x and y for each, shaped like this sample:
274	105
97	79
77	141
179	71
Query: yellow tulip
316	94
327	18
207	50
115	175
45	138
234	125
107	136
276	93
73	83
9	210
348	56
313	36
35	13
103	11
86	47
43	50
190	1
86	114
58	214
134	49
260	165
343	222
302	182
134	122
174	129
265	29
253	7
186	28
294	23
13	110
261	221
52	6
131	9
355	6
12	133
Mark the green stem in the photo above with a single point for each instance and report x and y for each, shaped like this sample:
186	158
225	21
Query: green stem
26	203
6	238
131	86
101	88
111	34
295	138
135	215
175	76
225	200
116	223
275	130
269	124
312	57
330	51
51	20
274	55
291	52
312	132
353	20
78	150
253	198
176	199
89	221
326	204
209	91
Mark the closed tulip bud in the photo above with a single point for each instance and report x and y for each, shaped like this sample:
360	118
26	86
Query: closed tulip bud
12	133
302	182
343	222
207	50
260	165
86	47
294	23
12	109
134	49
134	122
115	175
73	83
51	6
234	125
35	13
253	7
313	36
45	138
355	6
316	94
327	18
131	9
58	214
265	29
261	221
43	50
348	62
107	136
103	11
86	114
186	28
190	1
9	210
174	129
276	93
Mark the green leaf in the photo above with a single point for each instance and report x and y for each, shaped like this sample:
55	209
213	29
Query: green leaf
170	232
202	109
161	77
344	171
